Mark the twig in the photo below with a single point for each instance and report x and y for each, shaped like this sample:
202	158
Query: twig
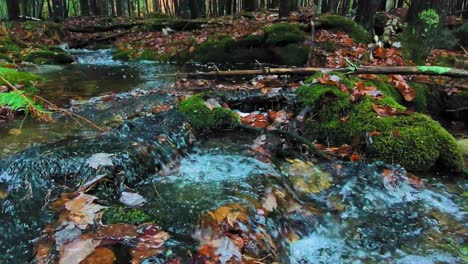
320	154
457	110
463	48
54	107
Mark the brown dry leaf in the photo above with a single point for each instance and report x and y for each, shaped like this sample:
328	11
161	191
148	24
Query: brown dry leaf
117	232
43	251
150	243
82	210
231	210
101	255
77	250
383	110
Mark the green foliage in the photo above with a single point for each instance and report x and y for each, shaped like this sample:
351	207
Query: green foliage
420	142
201	118
341	23
48	57
116	215
14	100
283	34
430	18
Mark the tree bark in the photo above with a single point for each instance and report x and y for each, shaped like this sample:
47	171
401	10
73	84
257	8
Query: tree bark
13	10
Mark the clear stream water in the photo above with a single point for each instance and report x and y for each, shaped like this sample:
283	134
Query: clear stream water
361	216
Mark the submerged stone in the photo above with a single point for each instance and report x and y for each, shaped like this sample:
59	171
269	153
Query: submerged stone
48	57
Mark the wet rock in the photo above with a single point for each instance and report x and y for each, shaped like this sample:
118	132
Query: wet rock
131	152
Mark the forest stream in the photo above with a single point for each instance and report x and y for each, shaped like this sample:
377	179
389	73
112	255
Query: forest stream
290	211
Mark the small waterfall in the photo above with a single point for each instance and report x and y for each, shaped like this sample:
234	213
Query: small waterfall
94	57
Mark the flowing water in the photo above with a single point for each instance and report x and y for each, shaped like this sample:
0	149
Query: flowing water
323	213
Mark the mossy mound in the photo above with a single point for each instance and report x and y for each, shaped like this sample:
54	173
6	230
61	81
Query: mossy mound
284	33
17	77
415	141
340	23
202	118
48	57
281	44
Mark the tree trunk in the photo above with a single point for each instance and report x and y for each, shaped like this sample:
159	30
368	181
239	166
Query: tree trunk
284	8
58	9
194	11
366	11
24	8
250	5
13	10
84	6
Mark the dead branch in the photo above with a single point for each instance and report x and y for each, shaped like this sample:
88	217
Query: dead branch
403	70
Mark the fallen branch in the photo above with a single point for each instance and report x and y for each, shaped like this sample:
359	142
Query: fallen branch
95	29
88	42
403	70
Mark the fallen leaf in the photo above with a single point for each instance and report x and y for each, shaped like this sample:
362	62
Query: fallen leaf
15	131
77	250
99	160
132	199
101	255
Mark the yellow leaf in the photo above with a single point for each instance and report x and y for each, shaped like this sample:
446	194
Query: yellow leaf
15	131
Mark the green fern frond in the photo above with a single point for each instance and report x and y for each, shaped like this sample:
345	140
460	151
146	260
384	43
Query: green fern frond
13	100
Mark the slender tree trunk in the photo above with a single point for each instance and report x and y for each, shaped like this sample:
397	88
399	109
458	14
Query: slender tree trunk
284	8
84	6
13	10
194	11
119	8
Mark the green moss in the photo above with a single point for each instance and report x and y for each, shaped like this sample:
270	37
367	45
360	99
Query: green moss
7	44
17	77
201	118
124	55
283	34
340	23
251	41
48	57
149	55
419	144
292	54
116	215
216	49
420	102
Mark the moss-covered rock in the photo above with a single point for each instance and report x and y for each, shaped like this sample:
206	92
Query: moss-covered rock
414	141
48	57
340	23
202	118
281	44
116	215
